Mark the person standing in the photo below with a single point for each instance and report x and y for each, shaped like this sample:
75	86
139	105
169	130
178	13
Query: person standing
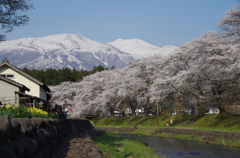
65	108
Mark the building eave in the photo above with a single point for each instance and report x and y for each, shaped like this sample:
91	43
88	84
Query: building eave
14	83
5	62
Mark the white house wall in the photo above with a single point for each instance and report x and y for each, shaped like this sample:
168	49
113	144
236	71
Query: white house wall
34	88
7	93
43	94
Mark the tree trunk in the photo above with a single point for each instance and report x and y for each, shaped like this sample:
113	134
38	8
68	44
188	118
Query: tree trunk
111	110
221	110
103	114
133	111
133	106
145	111
178	104
123	113
178	107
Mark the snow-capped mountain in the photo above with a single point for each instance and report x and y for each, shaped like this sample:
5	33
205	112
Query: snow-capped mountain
61	51
140	49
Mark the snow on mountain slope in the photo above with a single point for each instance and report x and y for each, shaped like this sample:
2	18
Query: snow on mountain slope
140	49
60	51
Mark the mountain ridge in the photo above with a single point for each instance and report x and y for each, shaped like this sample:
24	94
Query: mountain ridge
140	49
60	51
75	51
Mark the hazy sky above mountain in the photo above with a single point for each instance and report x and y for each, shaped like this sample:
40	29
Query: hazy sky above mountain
158	22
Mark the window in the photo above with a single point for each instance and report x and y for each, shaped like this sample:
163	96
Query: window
10	76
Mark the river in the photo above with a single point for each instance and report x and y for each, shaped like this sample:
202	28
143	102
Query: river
177	148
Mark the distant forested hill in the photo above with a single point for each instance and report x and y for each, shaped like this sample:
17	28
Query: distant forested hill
52	77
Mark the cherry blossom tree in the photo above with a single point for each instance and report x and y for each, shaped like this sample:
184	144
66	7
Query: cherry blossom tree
203	72
230	23
109	97
188	73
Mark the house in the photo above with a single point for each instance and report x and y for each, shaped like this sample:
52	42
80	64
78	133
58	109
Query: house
21	87
9	91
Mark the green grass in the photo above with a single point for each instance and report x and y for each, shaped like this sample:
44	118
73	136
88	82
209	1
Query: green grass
213	129
180	136
126	121
207	122
220	121
114	146
147	125
235	143
144	131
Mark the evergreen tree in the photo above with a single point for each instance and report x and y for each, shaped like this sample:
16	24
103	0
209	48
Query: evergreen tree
54	77
113	67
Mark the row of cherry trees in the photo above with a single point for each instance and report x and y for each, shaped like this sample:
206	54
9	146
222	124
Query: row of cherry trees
203	72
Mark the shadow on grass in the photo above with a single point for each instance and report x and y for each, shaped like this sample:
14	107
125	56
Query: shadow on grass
110	144
182	119
227	120
120	147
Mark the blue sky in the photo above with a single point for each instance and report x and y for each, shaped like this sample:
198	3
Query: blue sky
158	22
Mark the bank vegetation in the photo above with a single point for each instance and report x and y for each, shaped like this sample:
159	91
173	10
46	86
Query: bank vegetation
152	125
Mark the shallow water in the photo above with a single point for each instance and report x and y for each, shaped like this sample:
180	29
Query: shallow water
175	148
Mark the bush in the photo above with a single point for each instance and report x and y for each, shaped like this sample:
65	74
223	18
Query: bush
20	111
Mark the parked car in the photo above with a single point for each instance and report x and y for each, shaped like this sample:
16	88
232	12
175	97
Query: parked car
183	112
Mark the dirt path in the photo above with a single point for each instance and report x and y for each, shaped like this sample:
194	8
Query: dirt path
78	146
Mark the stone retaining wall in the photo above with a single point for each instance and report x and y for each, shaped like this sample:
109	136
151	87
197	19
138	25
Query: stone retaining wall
36	137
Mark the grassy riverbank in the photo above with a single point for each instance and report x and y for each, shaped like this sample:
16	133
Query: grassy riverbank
147	125
114	146
228	122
